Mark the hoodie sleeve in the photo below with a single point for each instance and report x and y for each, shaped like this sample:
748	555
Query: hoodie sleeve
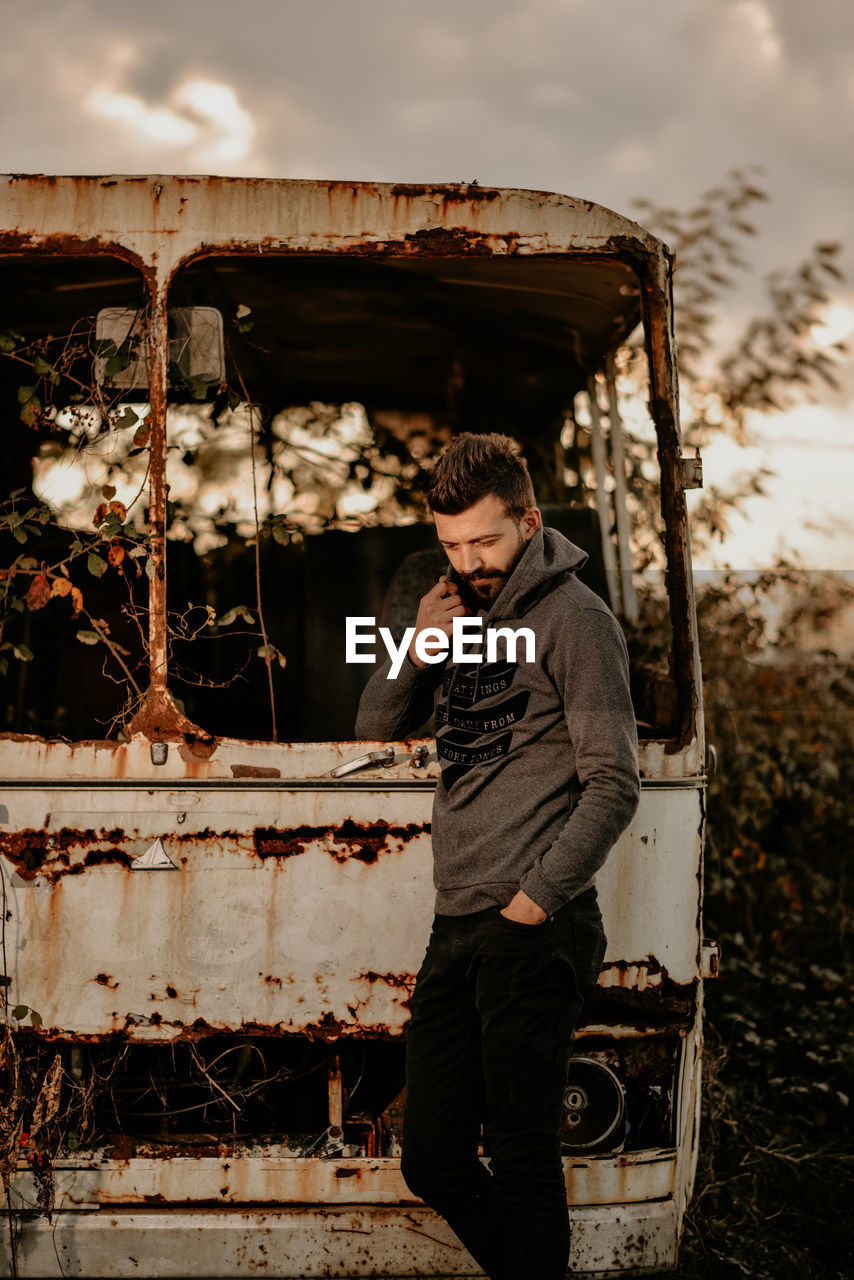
590	667
393	709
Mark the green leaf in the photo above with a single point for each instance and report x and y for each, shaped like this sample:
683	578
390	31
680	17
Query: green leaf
45	369
127	418
96	566
116	364
27	562
30	412
19	535
72	1139
281	535
88	637
198	387
7	342
23	653
239	611
25	394
76	545
35	1018
110	525
20	1011
105	347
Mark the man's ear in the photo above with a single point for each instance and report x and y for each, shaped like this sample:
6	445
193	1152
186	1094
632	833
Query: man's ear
531	521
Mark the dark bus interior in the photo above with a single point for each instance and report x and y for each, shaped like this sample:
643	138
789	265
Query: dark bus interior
424	346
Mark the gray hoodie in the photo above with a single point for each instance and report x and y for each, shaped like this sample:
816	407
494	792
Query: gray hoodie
539	760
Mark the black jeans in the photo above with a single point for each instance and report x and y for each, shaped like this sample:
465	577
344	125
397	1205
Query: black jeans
493	1018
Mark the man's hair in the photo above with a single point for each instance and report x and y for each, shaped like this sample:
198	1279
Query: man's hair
473	466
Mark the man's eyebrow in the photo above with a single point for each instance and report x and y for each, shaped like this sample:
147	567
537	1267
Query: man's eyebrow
481	537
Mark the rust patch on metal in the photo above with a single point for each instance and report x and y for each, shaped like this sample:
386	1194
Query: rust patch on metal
177	1147
448	195
47	854
404	981
624	969
100	858
362	842
159	720
98	744
40	853
437	242
106	980
60	244
122	1148
670	1006
664	408
254	771
207	836
327	1029
444	242
197	747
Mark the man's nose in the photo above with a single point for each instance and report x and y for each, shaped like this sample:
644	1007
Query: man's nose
470	559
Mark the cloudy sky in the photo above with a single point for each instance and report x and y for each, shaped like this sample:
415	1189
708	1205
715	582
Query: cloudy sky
603	99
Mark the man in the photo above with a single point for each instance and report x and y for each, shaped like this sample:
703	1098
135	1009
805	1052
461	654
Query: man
539	777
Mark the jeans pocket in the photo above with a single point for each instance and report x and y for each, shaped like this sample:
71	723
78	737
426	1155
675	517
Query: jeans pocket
590	944
518	926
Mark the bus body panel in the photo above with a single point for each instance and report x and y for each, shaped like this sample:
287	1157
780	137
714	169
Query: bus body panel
323	936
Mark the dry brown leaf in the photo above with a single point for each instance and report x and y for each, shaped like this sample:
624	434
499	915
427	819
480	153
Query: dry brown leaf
47	1103
39	592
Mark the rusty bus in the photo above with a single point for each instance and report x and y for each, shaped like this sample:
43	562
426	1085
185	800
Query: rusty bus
212	922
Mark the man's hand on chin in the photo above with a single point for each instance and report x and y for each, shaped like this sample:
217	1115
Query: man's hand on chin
524	910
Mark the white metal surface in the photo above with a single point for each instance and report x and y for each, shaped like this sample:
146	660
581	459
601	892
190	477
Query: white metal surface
341	1242
329	935
270	1179
166	220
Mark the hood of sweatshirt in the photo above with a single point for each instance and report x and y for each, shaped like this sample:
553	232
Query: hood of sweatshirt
548	559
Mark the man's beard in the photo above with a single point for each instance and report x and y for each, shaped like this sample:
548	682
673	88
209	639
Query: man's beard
477	595
483	593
